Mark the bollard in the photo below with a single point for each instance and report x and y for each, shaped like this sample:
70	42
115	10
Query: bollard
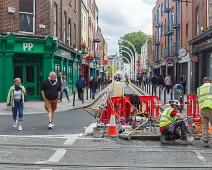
164	96
82	96
155	90
90	93
74	98
149	88
144	87
87	93
152	89
171	94
159	92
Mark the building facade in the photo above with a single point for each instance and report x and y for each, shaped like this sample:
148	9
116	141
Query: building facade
45	37
166	37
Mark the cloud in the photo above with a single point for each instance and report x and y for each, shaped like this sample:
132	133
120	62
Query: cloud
119	17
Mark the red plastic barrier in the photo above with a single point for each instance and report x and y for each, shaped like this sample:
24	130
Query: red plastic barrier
193	108
123	107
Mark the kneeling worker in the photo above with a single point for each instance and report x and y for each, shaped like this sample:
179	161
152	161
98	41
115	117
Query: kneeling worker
170	120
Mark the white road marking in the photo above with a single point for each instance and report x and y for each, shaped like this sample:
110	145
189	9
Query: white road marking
43	136
70	141
57	155
200	157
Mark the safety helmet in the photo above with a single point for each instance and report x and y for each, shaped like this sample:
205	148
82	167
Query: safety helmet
206	79
175	102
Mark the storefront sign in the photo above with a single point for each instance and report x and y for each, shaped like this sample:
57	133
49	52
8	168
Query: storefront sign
204	43
194	59
63	53
169	60
183	52
28	47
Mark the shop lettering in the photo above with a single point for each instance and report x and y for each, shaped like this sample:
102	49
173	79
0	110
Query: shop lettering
209	41
28	46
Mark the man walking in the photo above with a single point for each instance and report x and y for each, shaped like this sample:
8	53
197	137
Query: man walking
168	83
204	94
80	86
94	86
51	94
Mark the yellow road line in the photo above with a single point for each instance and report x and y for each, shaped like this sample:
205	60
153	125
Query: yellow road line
135	90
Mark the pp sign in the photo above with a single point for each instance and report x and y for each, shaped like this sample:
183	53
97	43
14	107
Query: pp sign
28	46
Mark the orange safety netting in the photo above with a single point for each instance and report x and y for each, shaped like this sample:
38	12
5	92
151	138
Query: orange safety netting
198	126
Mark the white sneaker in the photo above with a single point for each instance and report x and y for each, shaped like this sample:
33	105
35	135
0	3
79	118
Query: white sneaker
50	125
15	124
20	128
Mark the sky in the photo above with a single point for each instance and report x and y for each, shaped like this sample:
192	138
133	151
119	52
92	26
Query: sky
119	17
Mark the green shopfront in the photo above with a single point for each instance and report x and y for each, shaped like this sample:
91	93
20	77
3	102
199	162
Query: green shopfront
31	59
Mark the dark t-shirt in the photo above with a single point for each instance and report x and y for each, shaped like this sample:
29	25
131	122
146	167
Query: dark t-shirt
51	91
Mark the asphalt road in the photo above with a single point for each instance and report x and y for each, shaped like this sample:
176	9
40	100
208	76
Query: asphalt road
37	148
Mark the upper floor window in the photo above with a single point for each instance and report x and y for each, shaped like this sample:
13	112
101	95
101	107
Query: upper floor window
55	20
75	36
197	21
27	16
65	28
161	9
75	5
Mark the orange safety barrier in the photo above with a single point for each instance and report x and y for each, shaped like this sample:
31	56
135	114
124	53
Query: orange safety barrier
124	108
192	107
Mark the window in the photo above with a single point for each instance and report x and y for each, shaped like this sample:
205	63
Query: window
75	35
161	50
187	2
89	22
55	20
187	30
65	28
75	5
161	30
70	32
84	27
197	21
27	16
162	9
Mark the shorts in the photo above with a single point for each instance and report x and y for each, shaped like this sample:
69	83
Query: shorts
51	105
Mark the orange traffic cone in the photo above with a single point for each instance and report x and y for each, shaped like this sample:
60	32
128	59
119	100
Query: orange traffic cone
112	132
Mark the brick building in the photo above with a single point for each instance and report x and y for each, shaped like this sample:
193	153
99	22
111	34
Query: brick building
45	37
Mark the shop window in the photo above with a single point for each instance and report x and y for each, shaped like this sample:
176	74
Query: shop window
30	74
57	69
18	72
27	16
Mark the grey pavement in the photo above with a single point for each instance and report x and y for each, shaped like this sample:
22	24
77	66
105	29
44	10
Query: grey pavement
35	107
168	98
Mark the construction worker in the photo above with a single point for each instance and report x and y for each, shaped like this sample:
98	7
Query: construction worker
204	94
170	121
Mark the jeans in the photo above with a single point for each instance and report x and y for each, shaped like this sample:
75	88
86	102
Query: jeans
171	132
18	109
80	94
93	93
61	94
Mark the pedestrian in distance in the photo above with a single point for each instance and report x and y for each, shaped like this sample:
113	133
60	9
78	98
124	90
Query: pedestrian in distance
161	82
16	100
170	121
154	81
94	85
51	94
204	95
81	84
183	81
168	83
64	89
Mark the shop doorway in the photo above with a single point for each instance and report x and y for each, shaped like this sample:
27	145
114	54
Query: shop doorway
28	70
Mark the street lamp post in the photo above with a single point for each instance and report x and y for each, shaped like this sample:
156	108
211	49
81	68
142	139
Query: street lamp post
131	57
135	52
131	62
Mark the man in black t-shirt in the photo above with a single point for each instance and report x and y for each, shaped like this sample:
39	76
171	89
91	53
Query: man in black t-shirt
51	94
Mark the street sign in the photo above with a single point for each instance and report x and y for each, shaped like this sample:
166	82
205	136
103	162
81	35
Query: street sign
183	52
169	60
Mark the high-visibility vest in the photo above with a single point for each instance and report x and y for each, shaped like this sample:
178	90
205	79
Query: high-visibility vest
204	96
166	119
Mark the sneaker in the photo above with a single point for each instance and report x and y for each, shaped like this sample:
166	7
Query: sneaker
15	124
50	125
206	144
20	128
163	139
186	141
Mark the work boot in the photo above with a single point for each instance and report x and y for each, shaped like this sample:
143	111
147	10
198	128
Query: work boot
206	144
186	141
163	138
